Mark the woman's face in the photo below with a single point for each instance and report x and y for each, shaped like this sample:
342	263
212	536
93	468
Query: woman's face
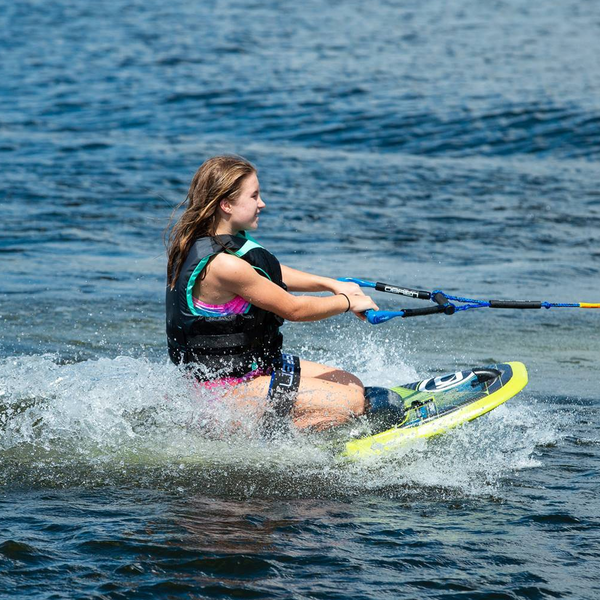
245	210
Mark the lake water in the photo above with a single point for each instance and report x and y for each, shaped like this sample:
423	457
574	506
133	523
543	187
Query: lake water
427	144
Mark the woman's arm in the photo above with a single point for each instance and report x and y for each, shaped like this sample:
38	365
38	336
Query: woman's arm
299	281
238	277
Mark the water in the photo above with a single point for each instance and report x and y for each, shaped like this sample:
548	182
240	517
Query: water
427	144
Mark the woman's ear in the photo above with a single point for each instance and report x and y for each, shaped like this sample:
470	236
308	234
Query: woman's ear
225	206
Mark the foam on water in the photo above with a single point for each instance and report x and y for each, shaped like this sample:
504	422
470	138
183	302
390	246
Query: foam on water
134	422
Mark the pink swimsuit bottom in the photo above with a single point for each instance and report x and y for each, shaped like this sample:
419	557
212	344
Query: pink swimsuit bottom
237	306
230	381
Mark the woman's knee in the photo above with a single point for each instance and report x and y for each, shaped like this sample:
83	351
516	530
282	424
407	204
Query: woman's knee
356	400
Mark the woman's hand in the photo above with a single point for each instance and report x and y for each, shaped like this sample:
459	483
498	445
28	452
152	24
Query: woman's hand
359	302
346	287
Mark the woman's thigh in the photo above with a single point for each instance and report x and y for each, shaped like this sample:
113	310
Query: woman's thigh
321	403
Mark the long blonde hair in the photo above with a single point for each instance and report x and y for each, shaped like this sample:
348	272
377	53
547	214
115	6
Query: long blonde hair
218	178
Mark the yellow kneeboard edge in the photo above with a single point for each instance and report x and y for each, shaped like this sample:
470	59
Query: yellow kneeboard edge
397	436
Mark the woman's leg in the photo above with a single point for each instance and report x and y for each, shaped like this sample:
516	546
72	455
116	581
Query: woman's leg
319	371
326	397
322	404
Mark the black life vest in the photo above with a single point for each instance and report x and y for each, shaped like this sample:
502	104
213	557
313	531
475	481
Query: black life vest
227	346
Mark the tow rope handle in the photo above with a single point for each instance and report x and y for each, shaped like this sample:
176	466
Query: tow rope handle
445	303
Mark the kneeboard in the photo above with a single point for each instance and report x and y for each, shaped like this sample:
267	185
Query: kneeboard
435	405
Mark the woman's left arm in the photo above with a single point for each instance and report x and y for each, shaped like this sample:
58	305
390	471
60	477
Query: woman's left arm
299	281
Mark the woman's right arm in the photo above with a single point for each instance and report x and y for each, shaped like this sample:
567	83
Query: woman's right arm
238	277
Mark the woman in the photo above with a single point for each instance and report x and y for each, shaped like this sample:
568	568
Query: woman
227	297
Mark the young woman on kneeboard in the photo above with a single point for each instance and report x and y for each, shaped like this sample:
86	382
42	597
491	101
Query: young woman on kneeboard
227	297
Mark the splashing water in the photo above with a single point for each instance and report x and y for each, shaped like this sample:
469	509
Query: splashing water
133	422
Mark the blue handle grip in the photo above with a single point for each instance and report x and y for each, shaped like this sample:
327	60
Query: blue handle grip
381	316
361	282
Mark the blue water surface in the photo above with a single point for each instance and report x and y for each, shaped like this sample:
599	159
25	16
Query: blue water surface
427	144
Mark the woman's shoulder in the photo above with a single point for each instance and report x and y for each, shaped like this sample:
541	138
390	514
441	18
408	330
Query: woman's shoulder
230	263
